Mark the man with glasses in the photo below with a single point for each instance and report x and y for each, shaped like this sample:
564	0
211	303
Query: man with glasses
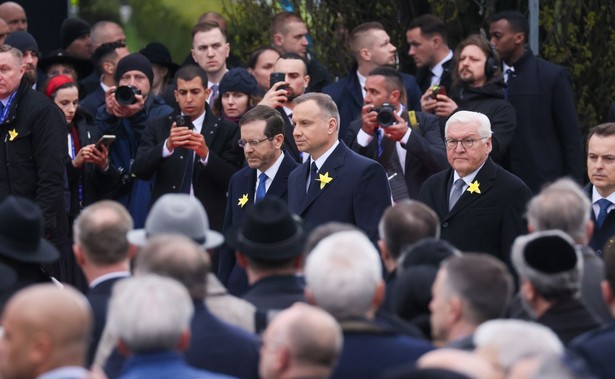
480	204
266	175
195	154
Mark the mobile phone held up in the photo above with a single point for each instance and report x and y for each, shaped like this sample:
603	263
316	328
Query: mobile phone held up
437	90
277	77
184	120
106	140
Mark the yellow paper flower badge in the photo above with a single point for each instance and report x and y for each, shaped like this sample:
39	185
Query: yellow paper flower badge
243	200
473	187
13	134
324	179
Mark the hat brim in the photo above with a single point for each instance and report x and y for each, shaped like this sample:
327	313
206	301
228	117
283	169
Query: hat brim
82	66
274	252
139	237
46	252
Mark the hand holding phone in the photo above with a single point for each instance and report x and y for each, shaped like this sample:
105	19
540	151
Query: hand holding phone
184	120
437	90
277	77
106	140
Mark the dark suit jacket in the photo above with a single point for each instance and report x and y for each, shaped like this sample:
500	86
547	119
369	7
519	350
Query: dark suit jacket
596	348
244	182
425	152
423	77
210	182
348	96
485	222
93	100
276	292
289	141
358	194
568	319
602	236
98	297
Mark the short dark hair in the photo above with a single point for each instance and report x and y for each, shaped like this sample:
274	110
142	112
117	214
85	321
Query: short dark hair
205	27
517	21
357	33
406	223
430	25
190	72
602	130
274	124
105	52
296	56
280	22
482	282
394	80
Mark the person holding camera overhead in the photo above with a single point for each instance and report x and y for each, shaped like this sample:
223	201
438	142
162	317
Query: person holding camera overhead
195	152
128	107
408	144
478	85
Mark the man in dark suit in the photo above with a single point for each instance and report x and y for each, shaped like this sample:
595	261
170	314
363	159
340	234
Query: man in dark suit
262	136
427	37
336	184
480	204
601	189
411	149
198	158
102	251
281	95
372	48
269	246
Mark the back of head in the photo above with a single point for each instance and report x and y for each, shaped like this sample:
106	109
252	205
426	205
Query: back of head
405	224
100	230
517	21
429	25
176	257
482	283
360	37
149	313
343	274
323	231
561	205
550	262
510	340
279	24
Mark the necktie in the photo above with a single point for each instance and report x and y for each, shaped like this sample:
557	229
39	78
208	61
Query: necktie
456	193
313	172
604	205
214	93
261	190
380	144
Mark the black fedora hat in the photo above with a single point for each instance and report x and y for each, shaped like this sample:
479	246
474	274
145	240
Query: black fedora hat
82	67
21	232
269	232
158	53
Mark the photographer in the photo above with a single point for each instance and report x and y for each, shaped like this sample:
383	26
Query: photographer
407	144
126	111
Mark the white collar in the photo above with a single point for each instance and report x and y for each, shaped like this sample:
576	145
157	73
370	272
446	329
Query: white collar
320	161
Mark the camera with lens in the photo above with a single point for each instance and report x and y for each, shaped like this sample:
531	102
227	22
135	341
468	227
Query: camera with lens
126	95
386	115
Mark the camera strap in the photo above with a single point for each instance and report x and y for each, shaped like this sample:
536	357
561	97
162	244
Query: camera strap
414	123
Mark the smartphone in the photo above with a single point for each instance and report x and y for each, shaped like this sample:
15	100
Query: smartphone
437	90
277	77
184	120
106	140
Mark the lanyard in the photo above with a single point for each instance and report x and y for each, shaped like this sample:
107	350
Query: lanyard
6	109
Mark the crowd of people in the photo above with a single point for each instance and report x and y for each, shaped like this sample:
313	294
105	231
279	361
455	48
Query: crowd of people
216	220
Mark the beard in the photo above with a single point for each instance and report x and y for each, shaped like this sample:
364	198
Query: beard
31	76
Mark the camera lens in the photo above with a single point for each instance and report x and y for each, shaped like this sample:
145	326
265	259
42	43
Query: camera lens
385	117
125	95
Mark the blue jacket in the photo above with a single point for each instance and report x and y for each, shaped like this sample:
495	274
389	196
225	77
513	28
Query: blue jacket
164	365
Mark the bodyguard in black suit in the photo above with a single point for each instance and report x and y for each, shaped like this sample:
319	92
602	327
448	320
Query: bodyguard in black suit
199	161
262	136
336	184
411	149
480	204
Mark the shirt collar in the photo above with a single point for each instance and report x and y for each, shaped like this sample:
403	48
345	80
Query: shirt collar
111	275
273	170
437	70
320	161
468	178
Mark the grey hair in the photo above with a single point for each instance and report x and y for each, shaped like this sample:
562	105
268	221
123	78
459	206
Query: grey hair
328	108
343	272
516	339
466	117
149	312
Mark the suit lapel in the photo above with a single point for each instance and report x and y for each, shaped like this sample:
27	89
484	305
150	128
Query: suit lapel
354	88
485	178
210	126
279	185
335	160
289	140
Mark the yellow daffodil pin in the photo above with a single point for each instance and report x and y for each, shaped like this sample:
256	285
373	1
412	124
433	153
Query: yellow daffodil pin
13	134
243	200
324	179
473	187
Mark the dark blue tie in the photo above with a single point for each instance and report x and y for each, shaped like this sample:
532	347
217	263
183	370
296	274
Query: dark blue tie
313	172
604	205
380	142
261	190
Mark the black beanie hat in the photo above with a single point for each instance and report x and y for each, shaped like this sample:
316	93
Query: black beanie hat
134	61
238	80
71	29
22	41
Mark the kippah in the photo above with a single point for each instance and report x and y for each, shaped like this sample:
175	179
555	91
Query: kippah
550	254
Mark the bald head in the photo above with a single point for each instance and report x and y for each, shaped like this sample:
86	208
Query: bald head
14	15
310	336
4	30
45	327
106	32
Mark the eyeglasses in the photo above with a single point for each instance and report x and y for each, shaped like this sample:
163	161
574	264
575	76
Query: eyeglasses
253	143
466	143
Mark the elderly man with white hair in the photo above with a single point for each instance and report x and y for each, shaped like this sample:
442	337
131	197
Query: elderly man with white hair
480	204
344	277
